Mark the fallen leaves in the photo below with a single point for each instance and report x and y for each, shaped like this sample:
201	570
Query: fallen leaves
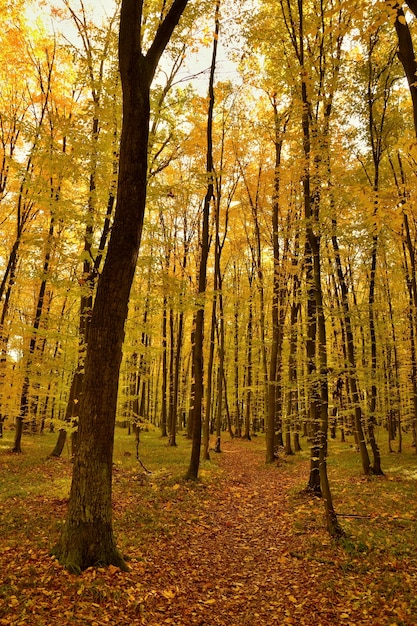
243	551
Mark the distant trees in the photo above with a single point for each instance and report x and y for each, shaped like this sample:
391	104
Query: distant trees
307	232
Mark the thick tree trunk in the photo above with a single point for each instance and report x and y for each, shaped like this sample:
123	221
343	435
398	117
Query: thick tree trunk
316	327
87	537
406	51
60	443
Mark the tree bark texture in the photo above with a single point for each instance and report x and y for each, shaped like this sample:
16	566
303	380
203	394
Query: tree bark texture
192	473
87	537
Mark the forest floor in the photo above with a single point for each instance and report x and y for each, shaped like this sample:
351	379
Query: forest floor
243	546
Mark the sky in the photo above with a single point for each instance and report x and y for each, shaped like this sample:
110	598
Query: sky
195	70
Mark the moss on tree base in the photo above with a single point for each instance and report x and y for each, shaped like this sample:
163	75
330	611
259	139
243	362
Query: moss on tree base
86	546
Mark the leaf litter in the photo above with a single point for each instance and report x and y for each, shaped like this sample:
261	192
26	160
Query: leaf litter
238	549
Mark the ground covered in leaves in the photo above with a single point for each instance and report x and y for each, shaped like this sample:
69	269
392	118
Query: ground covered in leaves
241	547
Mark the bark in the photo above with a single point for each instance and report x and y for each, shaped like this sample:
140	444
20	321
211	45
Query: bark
292	371
408	60
316	328
278	310
178	352
376	123
366	464
209	384
257	263
192	473
24	397
87	537
249	365
221	385
218	249
411	281
172	413
406	51
164	411
376	467
238	424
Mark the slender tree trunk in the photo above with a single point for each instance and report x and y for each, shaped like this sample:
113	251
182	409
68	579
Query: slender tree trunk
209	379
279	298
238	423
292	370
249	365
164	412
192	473
172	417
221	385
376	468
24	398
316	329
366	464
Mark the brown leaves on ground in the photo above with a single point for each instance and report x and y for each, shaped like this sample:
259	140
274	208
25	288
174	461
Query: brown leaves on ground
243	549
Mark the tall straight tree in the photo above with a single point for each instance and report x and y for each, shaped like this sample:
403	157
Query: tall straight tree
408	60
198	332
314	124
87	537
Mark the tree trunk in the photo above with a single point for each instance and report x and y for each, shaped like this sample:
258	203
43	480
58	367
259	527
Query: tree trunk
316	327
366	464
406	52
24	397
276	339
87	537
209	379
238	418
192	473
164	411
248	373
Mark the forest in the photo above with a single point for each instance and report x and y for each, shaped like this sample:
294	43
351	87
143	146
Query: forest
208	237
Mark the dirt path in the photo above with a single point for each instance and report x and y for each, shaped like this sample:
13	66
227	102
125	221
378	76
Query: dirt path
239	563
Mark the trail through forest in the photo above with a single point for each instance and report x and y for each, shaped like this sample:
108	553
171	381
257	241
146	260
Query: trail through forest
241	547
240	562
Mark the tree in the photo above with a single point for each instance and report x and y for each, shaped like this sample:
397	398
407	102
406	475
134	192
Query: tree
87	537
198	332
